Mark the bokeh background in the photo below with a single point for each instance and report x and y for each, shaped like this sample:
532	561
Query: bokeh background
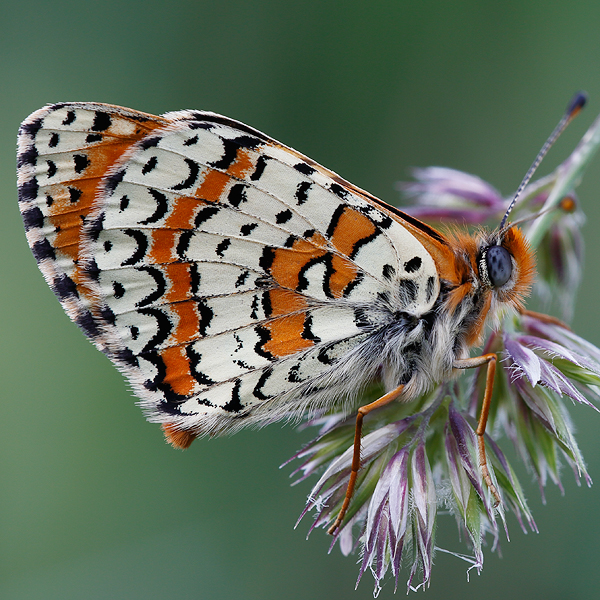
93	504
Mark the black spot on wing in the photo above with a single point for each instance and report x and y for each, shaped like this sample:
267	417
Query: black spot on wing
53	141
206	315
303	281
70	118
258	392
237	194
307	332
222	246
81	163
388	271
247	228
339	191
150	165
230	149
28	191
91	138
235	404
183	243
264	335
267	258
74	194
301	193
304	168
163	328
335	218
283	217
33	218
102	121
413	265
27	157
42	250
195	365
261	163
150	141
51	168
118	289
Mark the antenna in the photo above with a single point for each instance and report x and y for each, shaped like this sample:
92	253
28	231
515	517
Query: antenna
577	103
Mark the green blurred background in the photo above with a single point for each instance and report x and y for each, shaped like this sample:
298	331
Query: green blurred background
93	504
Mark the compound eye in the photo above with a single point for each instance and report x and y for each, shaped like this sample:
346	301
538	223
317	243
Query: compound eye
499	265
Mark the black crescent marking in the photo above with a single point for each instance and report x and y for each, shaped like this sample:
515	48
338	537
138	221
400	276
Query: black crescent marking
205	214
307	332
164	326
142	246
335	218
161	285
183	243
264	335
162	206
191	179
206	314
303	282
69	118
363	242
352	284
51	169
257	392
195	362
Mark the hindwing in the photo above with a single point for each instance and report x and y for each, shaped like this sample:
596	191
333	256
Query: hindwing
232	279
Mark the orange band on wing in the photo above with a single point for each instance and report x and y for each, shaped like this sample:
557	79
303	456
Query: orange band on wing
351	227
286	336
177	367
211	189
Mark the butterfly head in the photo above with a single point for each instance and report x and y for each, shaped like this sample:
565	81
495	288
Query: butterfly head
506	266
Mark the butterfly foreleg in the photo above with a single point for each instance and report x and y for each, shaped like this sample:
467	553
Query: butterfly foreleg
470	363
363	411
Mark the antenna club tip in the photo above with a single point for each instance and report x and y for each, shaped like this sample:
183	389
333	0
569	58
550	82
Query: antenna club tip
577	103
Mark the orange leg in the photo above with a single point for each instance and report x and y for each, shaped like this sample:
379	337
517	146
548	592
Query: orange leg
363	411
470	363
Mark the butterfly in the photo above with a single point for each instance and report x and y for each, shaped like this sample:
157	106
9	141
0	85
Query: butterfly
236	282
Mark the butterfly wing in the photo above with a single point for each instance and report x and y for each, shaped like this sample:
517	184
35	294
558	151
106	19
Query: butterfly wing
232	280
